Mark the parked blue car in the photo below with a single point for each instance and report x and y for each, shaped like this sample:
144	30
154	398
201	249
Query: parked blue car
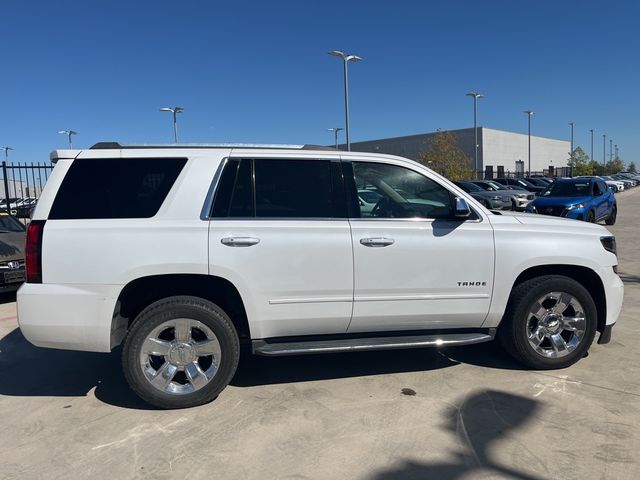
588	199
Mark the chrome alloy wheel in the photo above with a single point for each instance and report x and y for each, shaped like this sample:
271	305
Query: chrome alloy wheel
180	356
556	324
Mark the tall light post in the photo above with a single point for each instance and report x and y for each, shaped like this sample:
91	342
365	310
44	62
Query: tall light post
592	168
68	133
475	96
616	157
604	151
6	152
335	131
346	58
529	113
175	111
572	124
610	150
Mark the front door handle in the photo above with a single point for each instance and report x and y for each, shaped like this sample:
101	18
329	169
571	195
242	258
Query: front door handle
377	242
240	241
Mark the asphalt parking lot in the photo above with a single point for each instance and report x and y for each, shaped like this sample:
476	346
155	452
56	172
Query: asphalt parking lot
468	412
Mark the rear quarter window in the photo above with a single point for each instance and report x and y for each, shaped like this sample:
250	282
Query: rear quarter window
115	188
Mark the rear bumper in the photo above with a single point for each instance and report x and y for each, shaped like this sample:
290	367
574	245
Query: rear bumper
69	317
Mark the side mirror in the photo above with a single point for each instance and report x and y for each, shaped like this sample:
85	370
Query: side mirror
462	209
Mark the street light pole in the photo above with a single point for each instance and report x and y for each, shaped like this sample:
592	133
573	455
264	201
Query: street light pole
346	58
6	153
174	111
68	133
335	131
610	150
529	113
616	147
572	124
604	151
592	168
475	96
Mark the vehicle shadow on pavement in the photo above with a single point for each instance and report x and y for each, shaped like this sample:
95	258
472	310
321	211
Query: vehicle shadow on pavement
29	371
256	370
26	370
480	422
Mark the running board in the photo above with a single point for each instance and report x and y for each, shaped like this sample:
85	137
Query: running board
262	347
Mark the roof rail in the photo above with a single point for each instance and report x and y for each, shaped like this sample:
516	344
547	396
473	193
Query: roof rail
118	146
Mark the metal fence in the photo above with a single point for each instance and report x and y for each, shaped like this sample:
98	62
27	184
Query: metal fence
21	186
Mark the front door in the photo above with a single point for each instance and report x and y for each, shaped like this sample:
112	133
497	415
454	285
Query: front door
416	267
277	232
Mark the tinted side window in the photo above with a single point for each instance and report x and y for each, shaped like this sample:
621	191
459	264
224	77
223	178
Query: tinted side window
115	188
293	188
234	194
391	191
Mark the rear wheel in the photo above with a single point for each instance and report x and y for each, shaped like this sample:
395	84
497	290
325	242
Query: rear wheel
611	220
180	352
550	322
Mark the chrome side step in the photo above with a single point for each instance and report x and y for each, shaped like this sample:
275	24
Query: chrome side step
262	347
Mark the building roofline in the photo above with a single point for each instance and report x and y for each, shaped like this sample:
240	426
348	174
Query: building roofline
414	135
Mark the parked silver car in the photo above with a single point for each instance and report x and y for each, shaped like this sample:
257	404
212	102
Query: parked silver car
519	198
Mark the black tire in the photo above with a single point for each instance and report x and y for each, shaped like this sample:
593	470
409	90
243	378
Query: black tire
180	307
513	205
591	217
513	332
611	219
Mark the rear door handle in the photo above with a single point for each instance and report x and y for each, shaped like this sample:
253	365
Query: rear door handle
240	241
377	242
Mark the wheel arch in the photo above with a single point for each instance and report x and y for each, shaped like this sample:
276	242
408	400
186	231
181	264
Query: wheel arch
141	292
585	276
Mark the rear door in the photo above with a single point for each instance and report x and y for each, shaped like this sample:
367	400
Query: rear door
279	232
416	267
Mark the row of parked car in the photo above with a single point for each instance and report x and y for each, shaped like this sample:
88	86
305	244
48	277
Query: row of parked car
18	207
588	198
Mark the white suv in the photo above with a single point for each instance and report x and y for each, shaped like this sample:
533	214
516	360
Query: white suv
185	253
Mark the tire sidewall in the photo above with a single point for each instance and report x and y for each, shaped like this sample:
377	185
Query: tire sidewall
520	319
169	309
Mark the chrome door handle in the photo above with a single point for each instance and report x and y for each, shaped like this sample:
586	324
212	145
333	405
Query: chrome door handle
239	241
377	242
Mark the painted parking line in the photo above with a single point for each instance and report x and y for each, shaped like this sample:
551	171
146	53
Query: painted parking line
15	317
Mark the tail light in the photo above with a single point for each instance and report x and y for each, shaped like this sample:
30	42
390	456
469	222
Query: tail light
33	251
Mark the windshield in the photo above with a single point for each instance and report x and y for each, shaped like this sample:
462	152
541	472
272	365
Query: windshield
568	189
524	183
10	224
469	187
497	186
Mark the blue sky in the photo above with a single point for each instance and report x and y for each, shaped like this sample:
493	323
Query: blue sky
258	71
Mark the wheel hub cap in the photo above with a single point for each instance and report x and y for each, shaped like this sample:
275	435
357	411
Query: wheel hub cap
181	354
556	324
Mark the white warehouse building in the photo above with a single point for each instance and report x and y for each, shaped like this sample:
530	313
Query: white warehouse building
499	152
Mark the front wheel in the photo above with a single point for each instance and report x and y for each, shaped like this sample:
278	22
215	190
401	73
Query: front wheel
180	352
591	218
550	322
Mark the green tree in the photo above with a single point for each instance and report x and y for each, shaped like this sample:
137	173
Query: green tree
579	161
596	168
615	166
445	157
632	167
